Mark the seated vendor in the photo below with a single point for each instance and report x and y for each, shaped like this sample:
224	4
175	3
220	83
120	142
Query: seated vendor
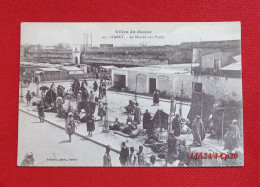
116	125
83	116
49	108
129	119
127	129
130	107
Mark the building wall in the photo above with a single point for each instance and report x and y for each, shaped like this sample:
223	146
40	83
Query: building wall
219	87
52	73
141	78
207	61
118	72
163	81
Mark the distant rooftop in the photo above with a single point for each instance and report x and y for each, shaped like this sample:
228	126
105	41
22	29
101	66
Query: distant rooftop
216	44
108	67
236	66
71	68
233	67
26	63
167	69
49	69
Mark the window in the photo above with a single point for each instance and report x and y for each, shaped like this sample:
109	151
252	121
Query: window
216	63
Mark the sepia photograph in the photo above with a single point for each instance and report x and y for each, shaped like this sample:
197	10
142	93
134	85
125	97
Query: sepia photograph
130	94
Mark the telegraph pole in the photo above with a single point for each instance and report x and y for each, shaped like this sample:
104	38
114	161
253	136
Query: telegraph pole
172	111
136	87
180	109
160	124
21	92
106	129
21	84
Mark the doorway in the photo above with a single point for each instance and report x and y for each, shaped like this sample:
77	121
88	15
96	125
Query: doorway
152	85
119	81
197	87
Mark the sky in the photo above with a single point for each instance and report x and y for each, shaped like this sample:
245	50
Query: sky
159	33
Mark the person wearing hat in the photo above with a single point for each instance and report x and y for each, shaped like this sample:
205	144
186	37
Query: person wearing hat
107	158
198	131
90	125
70	125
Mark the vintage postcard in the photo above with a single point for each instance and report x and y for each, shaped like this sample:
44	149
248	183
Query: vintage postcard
131	95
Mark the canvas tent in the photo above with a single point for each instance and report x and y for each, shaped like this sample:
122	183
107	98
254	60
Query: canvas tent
160	119
202	105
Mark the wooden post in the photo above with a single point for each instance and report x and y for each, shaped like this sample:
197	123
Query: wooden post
201	111
38	89
21	92
136	87
106	129
223	116
180	109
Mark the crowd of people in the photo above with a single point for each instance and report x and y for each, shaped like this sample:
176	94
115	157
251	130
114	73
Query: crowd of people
87	101
128	157
53	99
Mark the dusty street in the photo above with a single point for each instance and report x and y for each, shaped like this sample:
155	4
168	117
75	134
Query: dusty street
50	146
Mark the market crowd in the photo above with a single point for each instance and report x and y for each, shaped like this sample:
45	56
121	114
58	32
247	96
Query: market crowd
53	99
